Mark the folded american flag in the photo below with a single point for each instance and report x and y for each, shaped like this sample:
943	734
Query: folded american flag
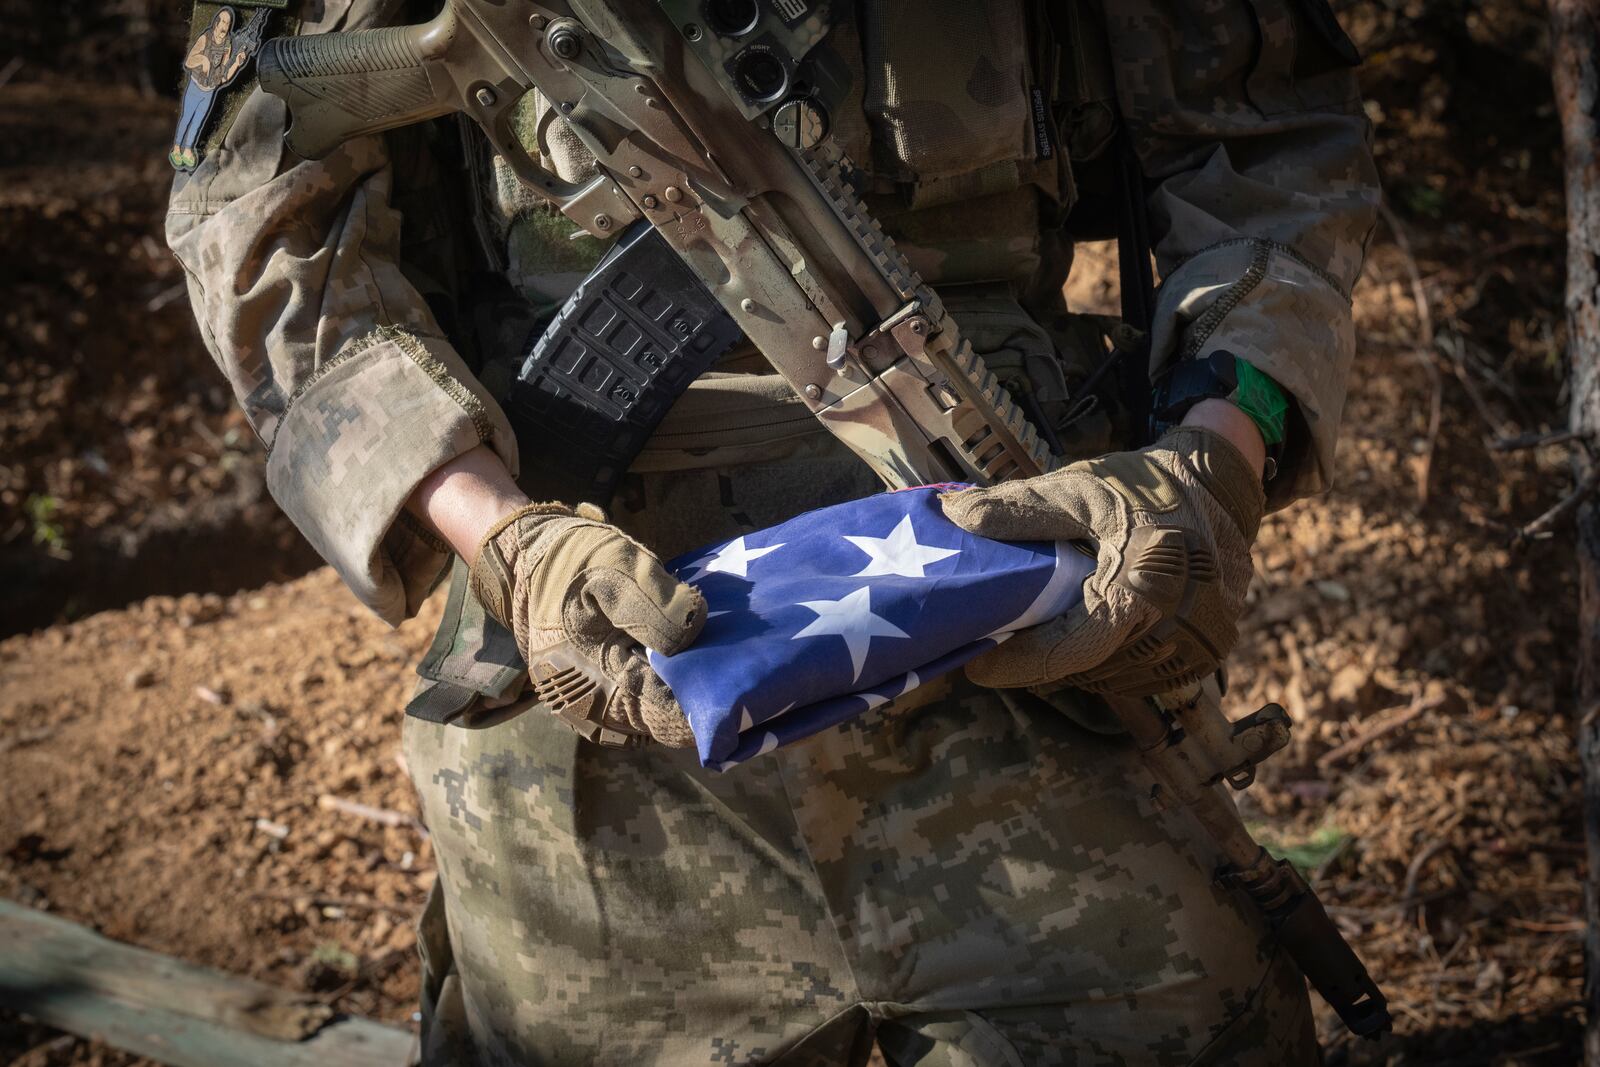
816	620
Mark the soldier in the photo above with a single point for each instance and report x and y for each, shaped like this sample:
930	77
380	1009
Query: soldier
972	874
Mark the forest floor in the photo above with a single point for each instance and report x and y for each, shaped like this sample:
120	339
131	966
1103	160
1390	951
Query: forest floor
187	715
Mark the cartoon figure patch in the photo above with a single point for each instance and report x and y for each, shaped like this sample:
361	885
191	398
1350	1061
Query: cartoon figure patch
215	59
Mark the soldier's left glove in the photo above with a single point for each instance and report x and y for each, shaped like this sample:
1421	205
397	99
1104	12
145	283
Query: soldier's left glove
1171	527
584	600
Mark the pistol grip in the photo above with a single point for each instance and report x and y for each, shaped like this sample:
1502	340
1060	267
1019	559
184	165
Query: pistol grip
342	85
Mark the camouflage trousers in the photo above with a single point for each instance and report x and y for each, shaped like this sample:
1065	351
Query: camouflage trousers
961	876
974	883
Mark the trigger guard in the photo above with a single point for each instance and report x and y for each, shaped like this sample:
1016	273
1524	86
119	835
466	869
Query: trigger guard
597	205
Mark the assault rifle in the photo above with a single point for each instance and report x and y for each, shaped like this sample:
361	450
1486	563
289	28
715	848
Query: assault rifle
709	121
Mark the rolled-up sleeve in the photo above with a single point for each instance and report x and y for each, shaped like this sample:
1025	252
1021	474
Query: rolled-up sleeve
1263	192
294	275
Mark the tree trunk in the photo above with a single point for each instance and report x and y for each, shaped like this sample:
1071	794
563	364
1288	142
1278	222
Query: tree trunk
1575	32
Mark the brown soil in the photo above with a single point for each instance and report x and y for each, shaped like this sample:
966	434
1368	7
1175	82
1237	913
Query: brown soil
127	468
162	772
161	767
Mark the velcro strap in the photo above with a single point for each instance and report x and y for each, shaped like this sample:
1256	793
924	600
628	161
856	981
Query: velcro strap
440	702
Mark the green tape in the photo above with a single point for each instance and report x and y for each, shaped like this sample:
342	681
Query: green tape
1259	397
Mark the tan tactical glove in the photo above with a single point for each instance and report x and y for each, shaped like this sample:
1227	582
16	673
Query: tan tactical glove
1172	527
582	597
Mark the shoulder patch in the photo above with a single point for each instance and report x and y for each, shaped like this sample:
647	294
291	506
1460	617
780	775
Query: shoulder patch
222	48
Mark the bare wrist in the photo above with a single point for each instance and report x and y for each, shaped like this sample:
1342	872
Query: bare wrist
463	498
1240	430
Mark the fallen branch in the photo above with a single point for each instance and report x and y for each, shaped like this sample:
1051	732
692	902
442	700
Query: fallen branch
174	1012
1407	714
1536	439
1423	351
1563	511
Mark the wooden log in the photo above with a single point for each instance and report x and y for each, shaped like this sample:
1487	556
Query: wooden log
1575	41
71	978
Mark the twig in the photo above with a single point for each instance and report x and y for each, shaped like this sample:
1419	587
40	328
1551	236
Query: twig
10	69
1391	911
1458	366
1522	1054
165	297
1535	439
1549	848
1562	511
1517	244
382	816
276	830
1423	351
1362	740
1408	895
1566	926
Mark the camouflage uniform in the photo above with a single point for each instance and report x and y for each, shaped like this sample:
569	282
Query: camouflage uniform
969	877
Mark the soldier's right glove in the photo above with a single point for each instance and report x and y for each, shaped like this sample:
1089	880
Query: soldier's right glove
584	600
1171	527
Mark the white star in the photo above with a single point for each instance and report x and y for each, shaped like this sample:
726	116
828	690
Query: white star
732	558
874	700
747	721
769	741
851	618
899	553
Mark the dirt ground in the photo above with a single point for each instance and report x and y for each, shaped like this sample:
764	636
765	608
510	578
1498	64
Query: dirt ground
126	469
178	773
